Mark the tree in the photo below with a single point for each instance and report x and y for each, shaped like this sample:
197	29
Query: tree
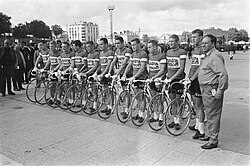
5	24
56	30
39	29
185	36
20	31
244	35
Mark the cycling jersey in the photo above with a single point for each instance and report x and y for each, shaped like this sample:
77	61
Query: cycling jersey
45	57
137	57
197	56
155	59
104	57
92	58
174	57
54	59
66	59
121	54
80	57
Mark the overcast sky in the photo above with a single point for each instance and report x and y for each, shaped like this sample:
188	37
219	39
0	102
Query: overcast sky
154	17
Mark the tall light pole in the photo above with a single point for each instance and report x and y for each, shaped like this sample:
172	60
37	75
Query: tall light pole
111	8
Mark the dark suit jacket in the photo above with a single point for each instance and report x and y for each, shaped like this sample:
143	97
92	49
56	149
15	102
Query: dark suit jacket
12	55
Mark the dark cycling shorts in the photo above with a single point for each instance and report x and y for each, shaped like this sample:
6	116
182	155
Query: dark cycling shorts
125	83
106	81
176	87
154	88
195	88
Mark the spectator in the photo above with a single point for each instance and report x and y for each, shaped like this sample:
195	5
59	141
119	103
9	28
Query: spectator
20	65
7	61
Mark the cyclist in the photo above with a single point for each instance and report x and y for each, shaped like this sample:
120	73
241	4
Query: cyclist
120	61
138	61
197	57
93	60
66	58
53	64
80	59
106	57
176	60
157	65
41	56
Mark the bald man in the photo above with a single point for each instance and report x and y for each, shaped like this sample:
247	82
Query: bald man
7	63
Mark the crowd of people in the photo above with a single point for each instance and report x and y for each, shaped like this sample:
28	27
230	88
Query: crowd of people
134	60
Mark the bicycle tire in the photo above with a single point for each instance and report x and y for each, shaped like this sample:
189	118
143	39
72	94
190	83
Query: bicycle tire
156	100
120	106
87	100
134	109
184	122
40	91
30	91
107	93
51	100
73	98
60	93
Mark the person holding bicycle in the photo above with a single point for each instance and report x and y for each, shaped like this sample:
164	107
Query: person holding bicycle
119	64
80	59
93	60
120	61
157	64
176	60
138	61
197	58
106	57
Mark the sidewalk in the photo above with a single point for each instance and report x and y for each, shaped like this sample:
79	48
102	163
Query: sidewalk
32	134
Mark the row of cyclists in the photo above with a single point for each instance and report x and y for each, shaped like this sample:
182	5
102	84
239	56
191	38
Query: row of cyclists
126	64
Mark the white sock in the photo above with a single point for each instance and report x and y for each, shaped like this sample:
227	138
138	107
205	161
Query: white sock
177	120
71	101
95	105
126	110
140	113
155	115
109	107
161	117
83	102
201	128
196	123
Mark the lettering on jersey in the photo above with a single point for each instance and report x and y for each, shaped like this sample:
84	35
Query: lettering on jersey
45	58
120	60
104	61
91	62
196	60
154	65
78	60
136	63
54	61
65	62
173	62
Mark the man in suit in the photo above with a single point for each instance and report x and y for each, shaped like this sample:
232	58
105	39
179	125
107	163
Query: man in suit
28	60
213	80
7	63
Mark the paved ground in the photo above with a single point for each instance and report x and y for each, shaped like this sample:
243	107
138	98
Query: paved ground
31	134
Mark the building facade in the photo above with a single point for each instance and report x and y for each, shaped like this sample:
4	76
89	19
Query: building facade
83	31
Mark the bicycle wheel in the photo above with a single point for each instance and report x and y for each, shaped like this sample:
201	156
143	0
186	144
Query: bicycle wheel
40	91
179	110
88	98
123	99
50	94
139	108
60	93
106	100
73	98
157	106
30	90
